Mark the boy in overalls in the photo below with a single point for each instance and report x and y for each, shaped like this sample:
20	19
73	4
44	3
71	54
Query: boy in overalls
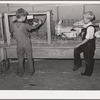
21	31
87	46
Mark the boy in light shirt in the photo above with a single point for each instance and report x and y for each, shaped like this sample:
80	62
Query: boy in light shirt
87	46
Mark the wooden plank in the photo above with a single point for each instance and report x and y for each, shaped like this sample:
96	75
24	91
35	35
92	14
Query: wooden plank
63	53
34	12
44	53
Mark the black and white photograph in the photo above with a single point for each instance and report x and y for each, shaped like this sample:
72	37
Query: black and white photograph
49	46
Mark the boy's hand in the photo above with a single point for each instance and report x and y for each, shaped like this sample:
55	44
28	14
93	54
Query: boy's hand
40	22
44	19
77	46
34	23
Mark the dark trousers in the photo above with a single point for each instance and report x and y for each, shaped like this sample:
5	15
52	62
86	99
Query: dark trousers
21	51
88	52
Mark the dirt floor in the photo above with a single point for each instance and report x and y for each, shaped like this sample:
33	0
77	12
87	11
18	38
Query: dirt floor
51	75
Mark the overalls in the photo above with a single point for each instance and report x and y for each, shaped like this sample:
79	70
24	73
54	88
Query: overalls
88	51
23	46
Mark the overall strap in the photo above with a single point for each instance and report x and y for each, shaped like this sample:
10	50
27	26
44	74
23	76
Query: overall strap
85	32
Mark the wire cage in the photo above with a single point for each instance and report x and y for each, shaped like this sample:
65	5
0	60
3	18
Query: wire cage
41	35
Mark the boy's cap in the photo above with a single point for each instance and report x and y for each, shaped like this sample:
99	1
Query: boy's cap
21	12
89	15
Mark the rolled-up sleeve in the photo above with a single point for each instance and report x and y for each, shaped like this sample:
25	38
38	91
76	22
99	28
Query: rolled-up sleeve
90	33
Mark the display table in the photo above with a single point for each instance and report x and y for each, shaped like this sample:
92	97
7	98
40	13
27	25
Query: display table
59	51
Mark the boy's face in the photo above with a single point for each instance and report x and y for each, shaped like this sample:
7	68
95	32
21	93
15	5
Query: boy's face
86	20
23	18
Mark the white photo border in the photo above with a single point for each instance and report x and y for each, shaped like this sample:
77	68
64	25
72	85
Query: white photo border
49	94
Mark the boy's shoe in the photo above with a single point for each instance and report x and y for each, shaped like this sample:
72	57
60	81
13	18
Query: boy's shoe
84	74
76	68
20	74
31	73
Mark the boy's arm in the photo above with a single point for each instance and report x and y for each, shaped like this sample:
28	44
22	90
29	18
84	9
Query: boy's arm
33	27
83	42
90	32
42	21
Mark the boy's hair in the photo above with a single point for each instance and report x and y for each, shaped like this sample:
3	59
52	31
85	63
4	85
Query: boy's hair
21	12
89	15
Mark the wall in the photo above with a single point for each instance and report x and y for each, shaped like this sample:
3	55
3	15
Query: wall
14	7
71	12
3	8
95	8
63	11
46	7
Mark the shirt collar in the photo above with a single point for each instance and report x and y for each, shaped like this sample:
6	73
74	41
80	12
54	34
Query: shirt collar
86	25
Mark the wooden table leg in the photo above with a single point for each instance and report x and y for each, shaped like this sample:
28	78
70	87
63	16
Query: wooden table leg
6	64
0	68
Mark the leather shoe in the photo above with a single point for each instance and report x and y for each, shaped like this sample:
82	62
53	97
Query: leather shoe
32	72
75	68
20	74
84	74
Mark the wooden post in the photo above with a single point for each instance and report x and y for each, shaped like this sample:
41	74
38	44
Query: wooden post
1	42
7	28
83	8
57	14
49	27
